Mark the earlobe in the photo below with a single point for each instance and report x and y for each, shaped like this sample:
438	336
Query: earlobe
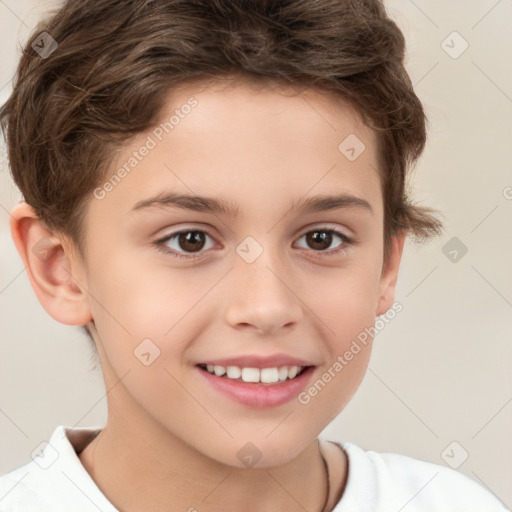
49	268
389	275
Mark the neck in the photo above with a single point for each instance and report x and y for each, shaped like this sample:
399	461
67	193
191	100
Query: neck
140	466
137	477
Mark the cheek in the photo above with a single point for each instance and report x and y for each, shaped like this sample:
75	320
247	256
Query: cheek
344	302
137	295
344	299
137	303
145	328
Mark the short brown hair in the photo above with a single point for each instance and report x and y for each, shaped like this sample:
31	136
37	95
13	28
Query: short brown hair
117	60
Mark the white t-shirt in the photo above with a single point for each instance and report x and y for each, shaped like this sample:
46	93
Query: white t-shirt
56	481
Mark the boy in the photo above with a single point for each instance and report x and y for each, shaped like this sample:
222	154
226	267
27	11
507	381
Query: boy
256	132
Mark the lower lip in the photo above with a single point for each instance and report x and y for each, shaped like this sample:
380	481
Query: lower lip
258	396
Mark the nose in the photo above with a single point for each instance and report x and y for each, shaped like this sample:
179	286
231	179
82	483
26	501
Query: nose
262	297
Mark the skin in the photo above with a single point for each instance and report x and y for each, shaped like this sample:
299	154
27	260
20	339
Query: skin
170	438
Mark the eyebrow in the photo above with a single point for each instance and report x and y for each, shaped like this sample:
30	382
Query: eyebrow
320	203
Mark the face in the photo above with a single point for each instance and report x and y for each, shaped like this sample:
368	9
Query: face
279	265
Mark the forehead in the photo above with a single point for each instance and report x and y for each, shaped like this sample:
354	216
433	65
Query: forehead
290	106
250	145
265	115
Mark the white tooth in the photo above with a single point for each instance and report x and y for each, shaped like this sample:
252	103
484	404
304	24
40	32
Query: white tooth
234	372
292	372
269	375
209	367
283	373
250	374
219	370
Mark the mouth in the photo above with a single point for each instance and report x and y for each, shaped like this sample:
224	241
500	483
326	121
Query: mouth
258	384
267	376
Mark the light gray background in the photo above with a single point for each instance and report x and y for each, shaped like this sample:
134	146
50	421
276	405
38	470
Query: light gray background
440	371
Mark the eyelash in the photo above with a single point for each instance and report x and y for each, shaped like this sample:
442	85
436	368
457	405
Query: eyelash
160	244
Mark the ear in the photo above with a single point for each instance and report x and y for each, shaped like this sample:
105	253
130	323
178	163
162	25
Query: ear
50	266
389	275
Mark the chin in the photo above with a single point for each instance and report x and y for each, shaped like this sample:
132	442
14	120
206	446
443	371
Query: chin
261	452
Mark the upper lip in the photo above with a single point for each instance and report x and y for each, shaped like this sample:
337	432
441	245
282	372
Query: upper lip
254	361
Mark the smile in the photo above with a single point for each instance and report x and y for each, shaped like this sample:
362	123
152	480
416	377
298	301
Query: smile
258	388
255	375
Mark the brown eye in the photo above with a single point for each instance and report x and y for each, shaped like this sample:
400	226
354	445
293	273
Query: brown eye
186	243
320	240
191	241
